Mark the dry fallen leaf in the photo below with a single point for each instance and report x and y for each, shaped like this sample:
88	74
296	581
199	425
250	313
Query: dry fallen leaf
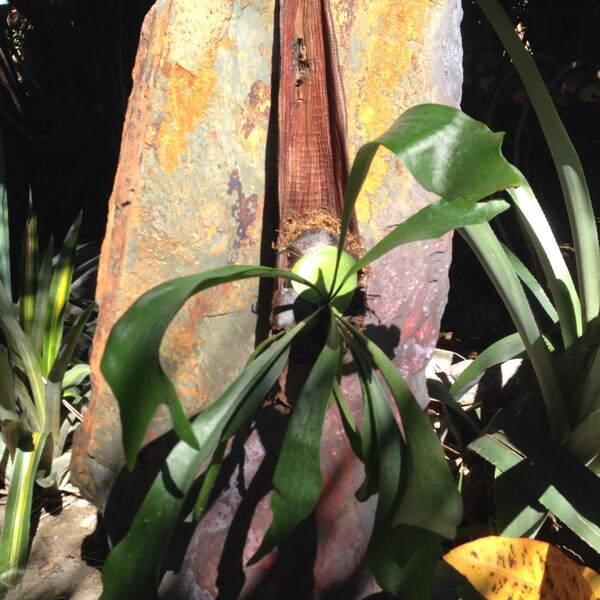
593	579
513	568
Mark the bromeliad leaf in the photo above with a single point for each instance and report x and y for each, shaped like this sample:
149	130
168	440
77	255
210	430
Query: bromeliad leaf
499	352
29	275
14	538
297	480
58	297
547	472
133	348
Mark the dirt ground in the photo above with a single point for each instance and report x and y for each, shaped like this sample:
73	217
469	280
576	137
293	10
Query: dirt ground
67	550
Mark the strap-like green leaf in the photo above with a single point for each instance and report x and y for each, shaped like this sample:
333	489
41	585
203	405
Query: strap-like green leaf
579	367
584	442
29	357
54	385
297	480
430	498
487	248
60	290
549	474
29	275
348	422
557	274
44	282
437	391
129	573
431	222
496	354
532	284
516	514
4	228
8	398
403	560
133	346
566	161
14	539
383	446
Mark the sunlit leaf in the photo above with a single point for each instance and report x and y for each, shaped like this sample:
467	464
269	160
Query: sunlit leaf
446	151
58	297
495	354
501	568
29	275
568	166
14	538
27	354
593	579
431	222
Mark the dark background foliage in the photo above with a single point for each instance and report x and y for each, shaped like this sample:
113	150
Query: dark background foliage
65	77
563	38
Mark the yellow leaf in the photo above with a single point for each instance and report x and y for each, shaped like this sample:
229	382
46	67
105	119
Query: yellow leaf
519	569
593	579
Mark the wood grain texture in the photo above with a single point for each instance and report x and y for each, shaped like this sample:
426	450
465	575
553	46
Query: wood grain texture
312	157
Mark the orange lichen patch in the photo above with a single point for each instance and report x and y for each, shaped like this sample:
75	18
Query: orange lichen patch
190	75
384	73
396	32
256	106
187	102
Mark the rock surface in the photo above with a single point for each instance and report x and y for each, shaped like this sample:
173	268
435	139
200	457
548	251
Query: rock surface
196	189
